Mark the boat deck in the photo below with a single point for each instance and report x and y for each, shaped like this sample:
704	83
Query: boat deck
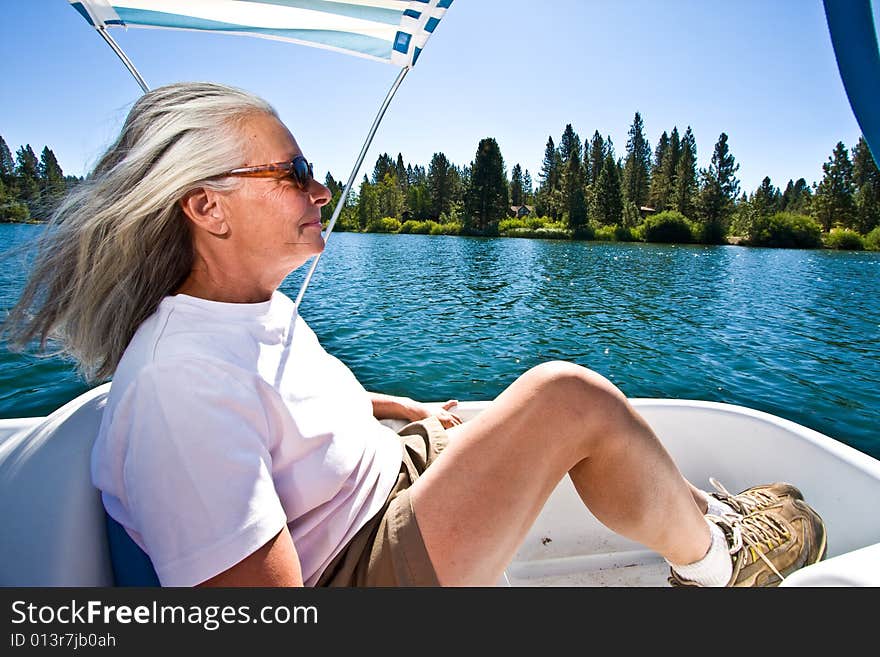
630	569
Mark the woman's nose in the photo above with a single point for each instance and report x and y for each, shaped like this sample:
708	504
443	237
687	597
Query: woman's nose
319	194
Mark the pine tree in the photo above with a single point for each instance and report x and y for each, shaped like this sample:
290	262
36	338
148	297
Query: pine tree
461	182
516	186
674	155
785	199
659	185
51	179
384	165
595	159
367	204
569	145
441	185
401	172
718	193
636	169
796	198
685	185
573	193
26	162
607	206
866	182
391	199
528	191
833	204
7	164
663	175
609	150
548	192
27	179
418	197
766	200
487	196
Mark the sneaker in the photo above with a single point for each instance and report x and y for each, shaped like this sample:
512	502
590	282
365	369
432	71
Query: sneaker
756	498
768	545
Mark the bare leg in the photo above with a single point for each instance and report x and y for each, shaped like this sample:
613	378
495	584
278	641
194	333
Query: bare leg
475	504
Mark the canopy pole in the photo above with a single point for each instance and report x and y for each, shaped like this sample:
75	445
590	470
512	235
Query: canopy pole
125	60
354	172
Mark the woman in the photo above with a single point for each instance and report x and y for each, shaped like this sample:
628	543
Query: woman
236	451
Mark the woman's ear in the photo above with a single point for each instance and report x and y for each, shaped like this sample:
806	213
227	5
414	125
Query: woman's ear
203	208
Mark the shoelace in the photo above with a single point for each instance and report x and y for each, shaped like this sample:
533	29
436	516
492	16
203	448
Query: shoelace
755	532
749	501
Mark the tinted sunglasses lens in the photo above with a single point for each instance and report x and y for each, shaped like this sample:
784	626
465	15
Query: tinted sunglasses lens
302	172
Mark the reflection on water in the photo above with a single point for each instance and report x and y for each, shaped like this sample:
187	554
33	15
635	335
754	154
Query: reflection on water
794	333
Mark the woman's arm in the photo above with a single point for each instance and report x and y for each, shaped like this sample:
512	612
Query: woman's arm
403	408
274	564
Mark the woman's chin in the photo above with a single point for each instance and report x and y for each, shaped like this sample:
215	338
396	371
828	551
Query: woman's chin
307	250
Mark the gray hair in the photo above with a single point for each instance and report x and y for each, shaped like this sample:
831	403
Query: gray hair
120	242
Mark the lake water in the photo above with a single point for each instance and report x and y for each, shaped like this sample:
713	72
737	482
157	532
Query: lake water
794	333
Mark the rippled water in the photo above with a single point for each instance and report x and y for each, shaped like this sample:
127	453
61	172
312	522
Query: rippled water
794	333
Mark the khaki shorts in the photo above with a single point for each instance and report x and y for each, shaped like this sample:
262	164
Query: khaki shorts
389	550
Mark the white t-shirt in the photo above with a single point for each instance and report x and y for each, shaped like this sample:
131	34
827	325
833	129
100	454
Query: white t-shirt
225	421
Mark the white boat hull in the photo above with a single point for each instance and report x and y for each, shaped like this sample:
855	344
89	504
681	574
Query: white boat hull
54	532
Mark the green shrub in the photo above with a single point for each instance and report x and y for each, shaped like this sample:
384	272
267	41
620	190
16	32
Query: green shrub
531	223
617	233
604	234
452	228
509	225
844	239
710	232
15	212
669	226
383	225
872	240
551	232
785	230
429	227
625	234
416	227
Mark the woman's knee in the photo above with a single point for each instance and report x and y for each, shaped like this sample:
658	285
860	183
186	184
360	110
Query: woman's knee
573	382
580	391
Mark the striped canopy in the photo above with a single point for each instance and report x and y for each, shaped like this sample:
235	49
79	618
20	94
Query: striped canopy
392	31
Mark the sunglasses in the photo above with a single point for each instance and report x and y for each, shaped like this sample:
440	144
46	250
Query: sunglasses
299	170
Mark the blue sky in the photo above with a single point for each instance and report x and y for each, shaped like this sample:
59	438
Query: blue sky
517	70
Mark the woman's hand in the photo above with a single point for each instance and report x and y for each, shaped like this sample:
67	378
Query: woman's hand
447	419
404	408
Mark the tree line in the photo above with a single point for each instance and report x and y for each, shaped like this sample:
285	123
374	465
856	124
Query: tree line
30	186
585	190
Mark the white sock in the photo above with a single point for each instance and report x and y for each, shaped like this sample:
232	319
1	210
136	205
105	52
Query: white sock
714	569
717	507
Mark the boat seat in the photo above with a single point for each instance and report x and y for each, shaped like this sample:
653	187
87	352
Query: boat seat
131	565
54	531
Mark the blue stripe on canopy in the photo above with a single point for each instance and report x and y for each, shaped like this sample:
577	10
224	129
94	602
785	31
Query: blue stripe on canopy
854	37
78	6
393	31
343	40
